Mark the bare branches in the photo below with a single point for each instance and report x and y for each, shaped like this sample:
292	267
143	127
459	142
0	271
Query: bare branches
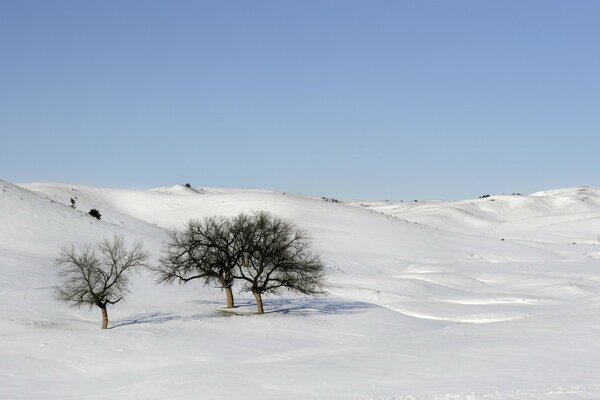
266	253
279	258
205	250
91	279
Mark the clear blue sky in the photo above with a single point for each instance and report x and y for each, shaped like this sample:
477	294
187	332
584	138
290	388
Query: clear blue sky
351	99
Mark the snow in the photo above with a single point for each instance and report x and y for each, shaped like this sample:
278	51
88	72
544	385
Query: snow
495	298
560	215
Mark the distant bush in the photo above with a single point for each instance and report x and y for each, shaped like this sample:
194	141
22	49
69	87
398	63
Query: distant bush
95	213
329	199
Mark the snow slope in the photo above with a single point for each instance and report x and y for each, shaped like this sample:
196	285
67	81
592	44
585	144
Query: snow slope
426	301
563	216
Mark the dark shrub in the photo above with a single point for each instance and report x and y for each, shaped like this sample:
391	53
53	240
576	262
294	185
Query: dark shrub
95	213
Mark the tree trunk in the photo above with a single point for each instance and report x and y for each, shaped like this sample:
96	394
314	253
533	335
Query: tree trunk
230	302
259	303
104	318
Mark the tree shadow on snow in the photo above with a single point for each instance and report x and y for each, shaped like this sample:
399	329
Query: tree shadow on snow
292	307
308	307
154	318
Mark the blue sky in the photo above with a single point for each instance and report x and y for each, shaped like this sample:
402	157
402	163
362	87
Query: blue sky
350	99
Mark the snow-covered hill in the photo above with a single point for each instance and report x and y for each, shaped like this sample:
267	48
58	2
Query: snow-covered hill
564	215
492	298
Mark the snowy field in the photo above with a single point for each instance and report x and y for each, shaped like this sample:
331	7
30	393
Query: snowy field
494	298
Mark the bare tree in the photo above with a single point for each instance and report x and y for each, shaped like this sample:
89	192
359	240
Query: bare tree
208	250
91	279
277	257
267	253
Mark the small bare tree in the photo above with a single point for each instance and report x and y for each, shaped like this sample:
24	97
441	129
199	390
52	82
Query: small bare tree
277	257
91	279
208	250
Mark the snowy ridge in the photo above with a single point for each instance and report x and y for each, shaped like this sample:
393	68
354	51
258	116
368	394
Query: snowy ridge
560	215
426	301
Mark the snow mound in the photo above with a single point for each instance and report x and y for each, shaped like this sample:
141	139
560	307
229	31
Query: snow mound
179	189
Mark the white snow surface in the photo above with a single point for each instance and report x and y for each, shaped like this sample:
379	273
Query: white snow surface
495	298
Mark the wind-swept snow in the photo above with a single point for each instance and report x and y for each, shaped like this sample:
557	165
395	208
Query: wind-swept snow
563	215
426	301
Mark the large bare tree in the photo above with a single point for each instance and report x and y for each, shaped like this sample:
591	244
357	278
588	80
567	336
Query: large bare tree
91	279
277	257
208	250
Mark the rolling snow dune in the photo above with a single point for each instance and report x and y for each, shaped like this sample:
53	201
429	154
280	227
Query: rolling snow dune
563	216
426	301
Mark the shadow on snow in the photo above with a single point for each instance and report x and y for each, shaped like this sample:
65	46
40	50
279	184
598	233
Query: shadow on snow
307	307
154	318
292	307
